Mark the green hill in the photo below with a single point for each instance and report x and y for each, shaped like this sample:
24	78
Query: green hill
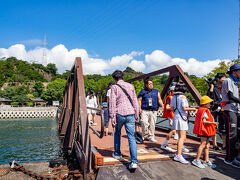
14	70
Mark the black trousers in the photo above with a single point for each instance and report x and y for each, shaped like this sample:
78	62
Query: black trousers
232	134
218	117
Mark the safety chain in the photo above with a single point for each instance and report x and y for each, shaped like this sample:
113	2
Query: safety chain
71	174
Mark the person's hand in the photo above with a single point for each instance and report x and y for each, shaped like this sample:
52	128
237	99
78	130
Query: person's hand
136	120
216	123
140	111
113	122
194	109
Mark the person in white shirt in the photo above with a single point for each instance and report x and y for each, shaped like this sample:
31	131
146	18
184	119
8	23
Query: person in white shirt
91	101
110	84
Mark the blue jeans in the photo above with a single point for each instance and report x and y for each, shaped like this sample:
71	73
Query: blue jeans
129	122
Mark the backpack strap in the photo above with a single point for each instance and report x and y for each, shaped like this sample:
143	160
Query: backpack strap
125	92
179	111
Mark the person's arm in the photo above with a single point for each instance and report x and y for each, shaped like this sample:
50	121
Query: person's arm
135	104
232	97
185	105
205	121
140	94
210	91
140	105
160	100
189	109
168	107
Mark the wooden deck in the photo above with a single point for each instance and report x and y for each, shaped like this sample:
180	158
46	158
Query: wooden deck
155	163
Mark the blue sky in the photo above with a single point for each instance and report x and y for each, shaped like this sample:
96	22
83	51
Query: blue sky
201	29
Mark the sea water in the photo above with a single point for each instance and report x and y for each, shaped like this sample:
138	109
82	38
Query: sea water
28	140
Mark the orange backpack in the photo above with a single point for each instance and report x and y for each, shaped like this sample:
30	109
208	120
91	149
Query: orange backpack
202	129
167	113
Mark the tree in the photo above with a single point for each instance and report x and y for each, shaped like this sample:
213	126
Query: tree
52	68
21	99
54	90
38	86
129	70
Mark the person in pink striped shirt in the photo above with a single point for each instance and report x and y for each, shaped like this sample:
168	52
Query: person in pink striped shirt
124	110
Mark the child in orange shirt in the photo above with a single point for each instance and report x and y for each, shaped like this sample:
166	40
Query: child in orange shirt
204	127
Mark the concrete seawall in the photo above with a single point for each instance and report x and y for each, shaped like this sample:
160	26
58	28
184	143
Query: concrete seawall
27	112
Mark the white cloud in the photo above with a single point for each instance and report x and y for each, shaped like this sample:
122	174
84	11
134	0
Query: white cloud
138	66
158	60
121	61
64	59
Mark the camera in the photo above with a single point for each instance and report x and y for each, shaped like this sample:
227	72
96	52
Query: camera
209	80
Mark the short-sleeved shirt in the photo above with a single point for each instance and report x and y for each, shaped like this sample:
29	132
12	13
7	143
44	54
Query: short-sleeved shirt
229	85
109	93
146	95
179	101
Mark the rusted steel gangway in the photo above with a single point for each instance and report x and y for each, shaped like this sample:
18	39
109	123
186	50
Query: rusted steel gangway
93	150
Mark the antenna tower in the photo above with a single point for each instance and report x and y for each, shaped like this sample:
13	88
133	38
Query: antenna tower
44	60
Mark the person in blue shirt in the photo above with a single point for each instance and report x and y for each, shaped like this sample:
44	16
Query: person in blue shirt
149	100
106	116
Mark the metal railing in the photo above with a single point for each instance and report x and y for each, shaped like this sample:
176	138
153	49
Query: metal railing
73	124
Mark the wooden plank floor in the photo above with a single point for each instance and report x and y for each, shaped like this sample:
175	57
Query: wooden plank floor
148	151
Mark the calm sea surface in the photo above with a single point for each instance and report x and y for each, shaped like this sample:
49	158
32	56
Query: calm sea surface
28	140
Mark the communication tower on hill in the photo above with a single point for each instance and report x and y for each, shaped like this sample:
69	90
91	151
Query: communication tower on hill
44	58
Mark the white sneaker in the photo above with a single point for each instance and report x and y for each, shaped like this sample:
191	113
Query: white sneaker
152	140
180	159
116	157
175	136
166	147
185	149
133	166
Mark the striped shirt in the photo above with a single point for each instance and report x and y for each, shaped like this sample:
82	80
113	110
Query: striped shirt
119	102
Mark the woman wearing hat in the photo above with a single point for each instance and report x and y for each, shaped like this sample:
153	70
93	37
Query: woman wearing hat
231	113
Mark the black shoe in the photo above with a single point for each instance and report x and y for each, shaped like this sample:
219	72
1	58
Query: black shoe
217	149
238	158
233	163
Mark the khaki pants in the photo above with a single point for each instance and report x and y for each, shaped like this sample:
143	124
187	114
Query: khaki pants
148	121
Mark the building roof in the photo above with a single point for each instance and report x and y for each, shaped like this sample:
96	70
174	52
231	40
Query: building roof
5	100
38	100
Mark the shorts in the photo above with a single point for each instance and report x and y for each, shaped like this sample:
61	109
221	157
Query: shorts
180	124
89	111
205	136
